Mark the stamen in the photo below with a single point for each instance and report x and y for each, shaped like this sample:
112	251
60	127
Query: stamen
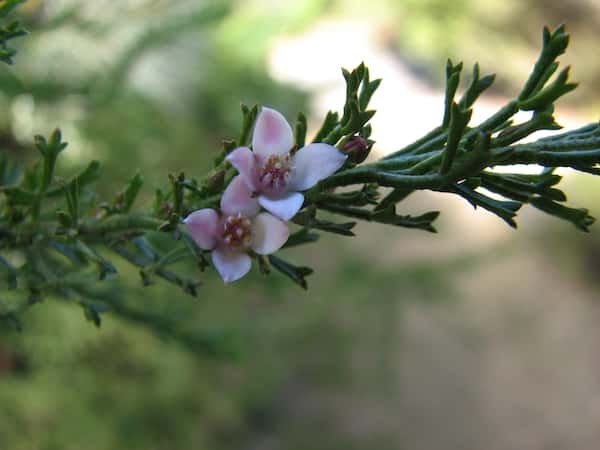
275	174
237	231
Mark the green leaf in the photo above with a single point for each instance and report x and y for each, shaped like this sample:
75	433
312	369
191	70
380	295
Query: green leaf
105	267
367	195
476	88
131	192
8	6
178	184
90	174
72	195
367	90
459	119
423	222
549	94
295	273
546	75
300	131
578	217
10	273
249	116
263	265
452	81
521	189
148	267
92	312
553	45
329	123
228	146
395	196
18	196
69	251
343	229
541	120
506	210
49	150
195	251
303	236
307	218
9	31
64	218
145	248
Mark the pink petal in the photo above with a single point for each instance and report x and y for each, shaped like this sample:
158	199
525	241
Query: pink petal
237	198
268	234
314	163
272	134
284	207
230	265
202	225
244	161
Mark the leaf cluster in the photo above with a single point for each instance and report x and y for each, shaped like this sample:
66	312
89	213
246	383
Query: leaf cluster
458	158
60	238
9	29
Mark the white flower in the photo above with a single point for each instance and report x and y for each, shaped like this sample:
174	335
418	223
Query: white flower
237	229
277	176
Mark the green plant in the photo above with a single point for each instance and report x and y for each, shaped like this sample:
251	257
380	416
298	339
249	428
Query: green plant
59	237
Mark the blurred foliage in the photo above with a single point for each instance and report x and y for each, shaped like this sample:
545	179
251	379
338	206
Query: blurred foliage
426	32
66	385
9	30
49	245
156	84
129	80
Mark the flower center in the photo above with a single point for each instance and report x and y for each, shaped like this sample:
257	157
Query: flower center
275	173
237	231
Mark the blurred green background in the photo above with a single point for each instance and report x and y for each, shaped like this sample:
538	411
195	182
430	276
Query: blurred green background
478	337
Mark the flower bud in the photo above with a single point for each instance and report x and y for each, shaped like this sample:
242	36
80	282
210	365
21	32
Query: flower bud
215	182
357	148
165	210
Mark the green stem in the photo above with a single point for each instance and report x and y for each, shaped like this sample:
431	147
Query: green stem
472	163
120	223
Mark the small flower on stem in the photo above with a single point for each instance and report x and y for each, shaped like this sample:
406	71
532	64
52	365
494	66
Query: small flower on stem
236	230
274	173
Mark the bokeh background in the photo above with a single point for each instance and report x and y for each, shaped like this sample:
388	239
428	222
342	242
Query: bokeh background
477	337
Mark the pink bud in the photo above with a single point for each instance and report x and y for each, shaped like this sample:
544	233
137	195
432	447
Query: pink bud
357	148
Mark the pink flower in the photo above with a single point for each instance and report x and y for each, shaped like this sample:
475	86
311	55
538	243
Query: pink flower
273	173
236	230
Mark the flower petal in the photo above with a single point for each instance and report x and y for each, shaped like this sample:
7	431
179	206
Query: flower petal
314	163
272	134
230	265
268	234
202	225
284	207
237	198
244	161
